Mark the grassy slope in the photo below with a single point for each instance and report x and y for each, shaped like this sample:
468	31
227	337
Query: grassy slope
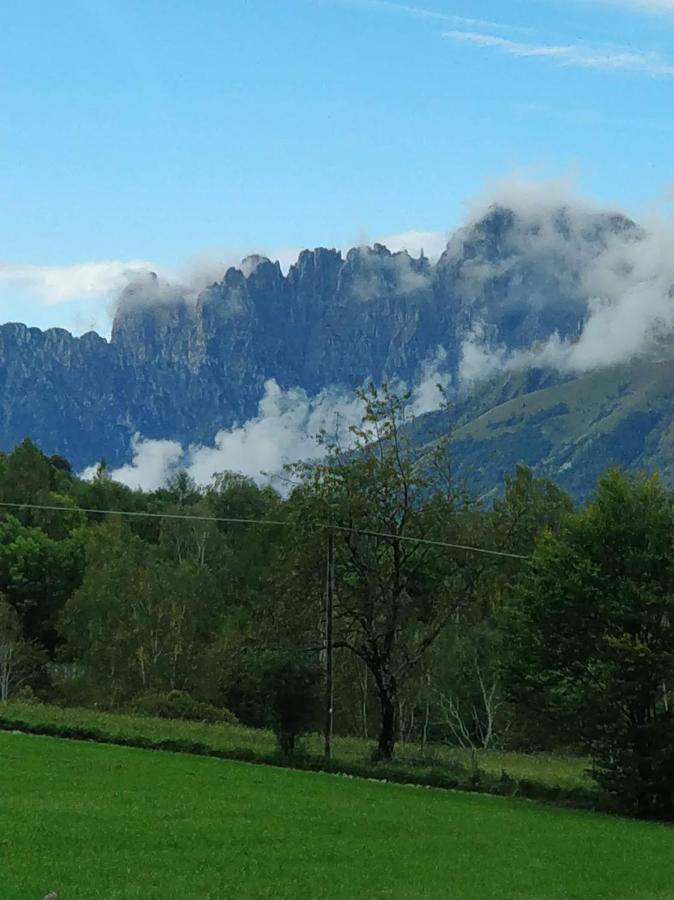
573	430
100	822
237	741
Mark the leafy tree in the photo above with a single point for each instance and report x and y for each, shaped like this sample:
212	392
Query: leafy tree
37	575
25	477
60	462
181	489
137	623
198	541
249	553
102	493
62	523
528	507
394	596
592	638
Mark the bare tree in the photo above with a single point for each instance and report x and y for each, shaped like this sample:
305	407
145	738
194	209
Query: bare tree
472	728
15	652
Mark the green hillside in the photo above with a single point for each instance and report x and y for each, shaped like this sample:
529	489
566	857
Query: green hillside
570	431
104	822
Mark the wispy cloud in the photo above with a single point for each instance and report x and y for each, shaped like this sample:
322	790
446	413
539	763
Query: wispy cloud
643	6
431	243
432	15
579	55
62	284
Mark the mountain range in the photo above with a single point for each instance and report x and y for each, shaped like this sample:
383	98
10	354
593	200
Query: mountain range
493	314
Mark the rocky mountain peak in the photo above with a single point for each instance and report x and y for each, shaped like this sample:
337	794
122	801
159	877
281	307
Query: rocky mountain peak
183	367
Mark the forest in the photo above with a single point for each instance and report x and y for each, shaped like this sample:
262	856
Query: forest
517	622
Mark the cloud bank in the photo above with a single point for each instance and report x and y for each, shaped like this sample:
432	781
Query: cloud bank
79	297
283	431
84	281
622	275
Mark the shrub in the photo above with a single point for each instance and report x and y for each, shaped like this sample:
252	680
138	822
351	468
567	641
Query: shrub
180	705
290	685
26	694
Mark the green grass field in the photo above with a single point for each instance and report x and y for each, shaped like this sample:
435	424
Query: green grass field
95	821
546	769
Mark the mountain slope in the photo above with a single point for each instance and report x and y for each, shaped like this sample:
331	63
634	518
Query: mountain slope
572	431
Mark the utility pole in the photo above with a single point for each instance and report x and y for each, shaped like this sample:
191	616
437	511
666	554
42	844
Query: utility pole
329	616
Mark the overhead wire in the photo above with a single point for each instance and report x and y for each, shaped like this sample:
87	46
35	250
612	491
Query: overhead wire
232	520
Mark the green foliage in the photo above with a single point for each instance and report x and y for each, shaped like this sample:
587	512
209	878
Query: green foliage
26	477
137	623
289	687
59	524
528	507
185	615
37	575
592	638
397	590
180	705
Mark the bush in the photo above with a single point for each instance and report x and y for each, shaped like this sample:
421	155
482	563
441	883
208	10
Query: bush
290	685
180	705
26	694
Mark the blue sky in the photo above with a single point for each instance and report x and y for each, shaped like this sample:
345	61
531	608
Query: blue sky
174	133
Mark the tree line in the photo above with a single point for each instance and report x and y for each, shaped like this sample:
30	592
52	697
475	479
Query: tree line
559	637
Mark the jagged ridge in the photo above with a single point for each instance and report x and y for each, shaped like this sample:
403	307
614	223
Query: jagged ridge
182	369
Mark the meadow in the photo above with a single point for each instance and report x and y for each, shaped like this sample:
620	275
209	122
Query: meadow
95	821
542	775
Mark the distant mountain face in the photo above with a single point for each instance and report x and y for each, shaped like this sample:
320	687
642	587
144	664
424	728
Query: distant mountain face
182	368
571	432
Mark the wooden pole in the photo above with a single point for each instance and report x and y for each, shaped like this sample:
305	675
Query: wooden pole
329	616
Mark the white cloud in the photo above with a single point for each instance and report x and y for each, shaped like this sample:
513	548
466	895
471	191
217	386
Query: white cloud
479	360
283	431
427	394
624	276
432	243
578	55
78	297
82	281
631	309
151	465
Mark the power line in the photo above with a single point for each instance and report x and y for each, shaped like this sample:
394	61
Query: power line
397	537
147	515
230	520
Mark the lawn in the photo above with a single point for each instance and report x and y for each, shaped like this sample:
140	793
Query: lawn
95	821
548	770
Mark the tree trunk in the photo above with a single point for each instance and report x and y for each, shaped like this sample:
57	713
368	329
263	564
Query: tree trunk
387	729
362	680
